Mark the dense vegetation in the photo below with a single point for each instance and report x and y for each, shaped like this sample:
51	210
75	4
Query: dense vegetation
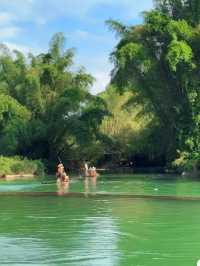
127	130
159	62
17	165
150	111
46	109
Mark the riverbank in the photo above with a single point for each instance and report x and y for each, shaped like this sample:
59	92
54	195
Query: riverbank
18	177
12	168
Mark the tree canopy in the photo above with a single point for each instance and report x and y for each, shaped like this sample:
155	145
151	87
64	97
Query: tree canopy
46	108
151	108
159	61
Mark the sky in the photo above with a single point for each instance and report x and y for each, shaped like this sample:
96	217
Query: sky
28	25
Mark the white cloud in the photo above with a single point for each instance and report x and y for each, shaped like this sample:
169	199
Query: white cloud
31	1
40	21
134	10
81	8
99	67
22	48
19	47
102	81
83	35
78	35
31	9
41	11
7	26
6	18
9	32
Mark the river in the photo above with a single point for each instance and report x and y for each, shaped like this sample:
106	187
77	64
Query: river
90	231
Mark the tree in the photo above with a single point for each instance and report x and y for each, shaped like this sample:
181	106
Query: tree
65	117
188	10
158	61
13	120
129	133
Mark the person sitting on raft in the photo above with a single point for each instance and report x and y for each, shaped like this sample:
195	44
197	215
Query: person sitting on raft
61	175
92	172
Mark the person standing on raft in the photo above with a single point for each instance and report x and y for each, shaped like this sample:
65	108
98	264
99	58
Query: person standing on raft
62	180
61	175
92	172
86	173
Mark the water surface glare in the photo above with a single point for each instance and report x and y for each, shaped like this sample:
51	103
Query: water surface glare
101	231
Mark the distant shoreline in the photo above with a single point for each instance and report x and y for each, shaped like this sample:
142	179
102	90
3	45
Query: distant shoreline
17	177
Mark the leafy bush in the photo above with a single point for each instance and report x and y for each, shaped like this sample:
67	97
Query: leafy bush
18	165
186	162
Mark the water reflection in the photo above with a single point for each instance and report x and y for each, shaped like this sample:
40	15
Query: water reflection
90	231
101	231
90	185
57	231
23	250
62	187
124	185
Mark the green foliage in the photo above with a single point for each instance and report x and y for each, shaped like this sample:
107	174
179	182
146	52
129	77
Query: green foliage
124	127
179	52
17	165
158	63
180	29
13	119
187	162
46	108
129	52
188	10
117	27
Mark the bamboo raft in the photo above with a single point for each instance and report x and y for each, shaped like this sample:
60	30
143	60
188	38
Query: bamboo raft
17	177
100	195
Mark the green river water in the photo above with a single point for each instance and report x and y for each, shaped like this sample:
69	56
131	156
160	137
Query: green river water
90	231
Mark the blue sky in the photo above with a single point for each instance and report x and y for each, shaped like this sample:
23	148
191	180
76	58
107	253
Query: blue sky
28	25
